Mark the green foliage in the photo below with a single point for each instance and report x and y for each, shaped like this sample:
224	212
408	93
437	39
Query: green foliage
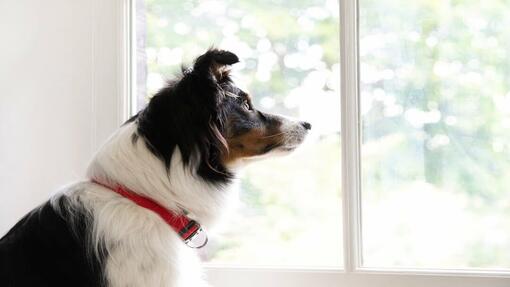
449	84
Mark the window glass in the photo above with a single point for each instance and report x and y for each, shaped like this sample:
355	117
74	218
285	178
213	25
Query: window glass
290	208
435	105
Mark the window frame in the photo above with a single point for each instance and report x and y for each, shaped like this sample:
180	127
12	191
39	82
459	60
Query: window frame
119	17
112	49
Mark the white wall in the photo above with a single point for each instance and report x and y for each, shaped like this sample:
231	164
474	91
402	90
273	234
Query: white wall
58	78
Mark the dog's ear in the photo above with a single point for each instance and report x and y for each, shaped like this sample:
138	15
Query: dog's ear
215	63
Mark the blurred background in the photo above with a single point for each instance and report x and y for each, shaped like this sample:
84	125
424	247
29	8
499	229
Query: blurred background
435	104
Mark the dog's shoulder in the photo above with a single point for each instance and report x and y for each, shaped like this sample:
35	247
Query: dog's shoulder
48	247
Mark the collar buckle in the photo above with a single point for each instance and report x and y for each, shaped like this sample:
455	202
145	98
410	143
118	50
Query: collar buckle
194	235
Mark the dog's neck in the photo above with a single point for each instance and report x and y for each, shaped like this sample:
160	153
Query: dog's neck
123	161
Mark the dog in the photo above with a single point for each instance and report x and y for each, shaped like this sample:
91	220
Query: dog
160	178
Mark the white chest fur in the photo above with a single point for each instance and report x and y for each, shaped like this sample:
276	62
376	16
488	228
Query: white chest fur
151	255
142	250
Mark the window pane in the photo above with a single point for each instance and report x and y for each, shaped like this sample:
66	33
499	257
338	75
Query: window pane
290	210
435	104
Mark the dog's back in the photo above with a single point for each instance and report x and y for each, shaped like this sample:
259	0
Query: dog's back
47	248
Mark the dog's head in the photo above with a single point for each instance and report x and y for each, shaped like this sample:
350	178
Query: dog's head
213	122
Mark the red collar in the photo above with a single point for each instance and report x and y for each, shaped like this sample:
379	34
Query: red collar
187	228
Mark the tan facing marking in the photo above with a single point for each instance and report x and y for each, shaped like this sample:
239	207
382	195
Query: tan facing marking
250	144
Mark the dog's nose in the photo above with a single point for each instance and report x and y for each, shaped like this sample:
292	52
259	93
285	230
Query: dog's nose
306	125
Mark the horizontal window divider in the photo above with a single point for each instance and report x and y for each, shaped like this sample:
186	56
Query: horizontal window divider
468	272
285	269
492	273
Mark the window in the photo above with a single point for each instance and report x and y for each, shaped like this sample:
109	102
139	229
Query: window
290	67
424	123
435	105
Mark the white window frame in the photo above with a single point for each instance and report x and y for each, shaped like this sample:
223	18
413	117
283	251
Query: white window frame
112	48
115	35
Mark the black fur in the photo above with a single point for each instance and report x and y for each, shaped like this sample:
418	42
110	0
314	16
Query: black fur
46	248
190	114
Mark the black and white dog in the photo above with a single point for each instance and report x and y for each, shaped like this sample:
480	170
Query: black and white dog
160	174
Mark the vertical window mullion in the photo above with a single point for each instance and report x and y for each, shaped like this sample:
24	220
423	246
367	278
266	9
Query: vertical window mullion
350	134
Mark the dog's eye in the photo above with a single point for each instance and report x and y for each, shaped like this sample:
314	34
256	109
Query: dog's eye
246	105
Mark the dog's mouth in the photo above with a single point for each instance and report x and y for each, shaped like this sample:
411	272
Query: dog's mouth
289	148
279	147
289	142
275	146
268	148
